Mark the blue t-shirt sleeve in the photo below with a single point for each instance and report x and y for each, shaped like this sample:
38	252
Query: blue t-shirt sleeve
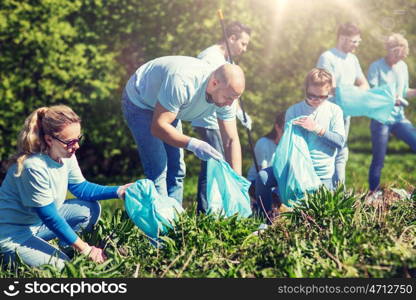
325	63
36	187
335	135
333	139
226	112
174	93
373	75
56	223
93	192
74	171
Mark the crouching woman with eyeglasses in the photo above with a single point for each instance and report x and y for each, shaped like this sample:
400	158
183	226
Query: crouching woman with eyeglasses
33	209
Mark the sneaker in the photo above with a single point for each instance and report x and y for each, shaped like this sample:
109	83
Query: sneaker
373	198
261	229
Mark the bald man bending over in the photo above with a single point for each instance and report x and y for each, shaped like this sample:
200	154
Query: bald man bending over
172	88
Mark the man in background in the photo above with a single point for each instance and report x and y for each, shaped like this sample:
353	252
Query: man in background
238	36
345	68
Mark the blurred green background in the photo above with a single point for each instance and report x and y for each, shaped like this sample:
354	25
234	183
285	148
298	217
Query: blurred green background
81	53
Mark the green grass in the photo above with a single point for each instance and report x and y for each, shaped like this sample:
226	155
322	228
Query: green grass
331	234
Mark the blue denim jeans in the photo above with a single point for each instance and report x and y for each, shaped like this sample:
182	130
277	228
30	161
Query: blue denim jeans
212	137
342	157
403	130
266	181
162	163
30	242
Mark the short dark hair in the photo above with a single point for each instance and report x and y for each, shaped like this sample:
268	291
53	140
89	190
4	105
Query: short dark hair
280	122
348	29
236	28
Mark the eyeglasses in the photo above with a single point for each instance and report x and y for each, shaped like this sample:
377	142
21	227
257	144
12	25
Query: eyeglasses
355	42
317	97
399	51
70	143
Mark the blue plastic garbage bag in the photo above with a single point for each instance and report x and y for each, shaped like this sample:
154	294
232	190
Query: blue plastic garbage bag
376	103
227	192
292	166
151	212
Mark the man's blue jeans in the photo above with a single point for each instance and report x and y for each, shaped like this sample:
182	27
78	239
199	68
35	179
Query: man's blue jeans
30	242
403	130
212	137
342	157
266	181
162	163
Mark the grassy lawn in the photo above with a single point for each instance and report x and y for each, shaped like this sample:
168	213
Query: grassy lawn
329	235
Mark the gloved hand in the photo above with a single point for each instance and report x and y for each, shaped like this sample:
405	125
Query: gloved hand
95	254
401	102
121	191
240	116
203	150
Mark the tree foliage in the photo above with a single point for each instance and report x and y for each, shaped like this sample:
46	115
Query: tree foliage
81	53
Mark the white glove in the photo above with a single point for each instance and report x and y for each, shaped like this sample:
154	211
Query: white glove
401	102
240	116
203	150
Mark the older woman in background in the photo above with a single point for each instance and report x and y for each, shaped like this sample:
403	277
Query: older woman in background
391	70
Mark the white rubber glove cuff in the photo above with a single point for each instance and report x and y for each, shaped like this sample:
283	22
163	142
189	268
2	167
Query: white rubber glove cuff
203	150
119	191
240	115
193	144
403	101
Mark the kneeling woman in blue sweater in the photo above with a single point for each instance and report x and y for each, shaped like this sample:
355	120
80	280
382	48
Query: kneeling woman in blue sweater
33	209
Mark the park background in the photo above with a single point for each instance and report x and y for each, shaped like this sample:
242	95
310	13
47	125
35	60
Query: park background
82	52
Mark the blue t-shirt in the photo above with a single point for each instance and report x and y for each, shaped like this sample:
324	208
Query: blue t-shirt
397	77
42	182
330	117
213	56
264	151
344	67
179	84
